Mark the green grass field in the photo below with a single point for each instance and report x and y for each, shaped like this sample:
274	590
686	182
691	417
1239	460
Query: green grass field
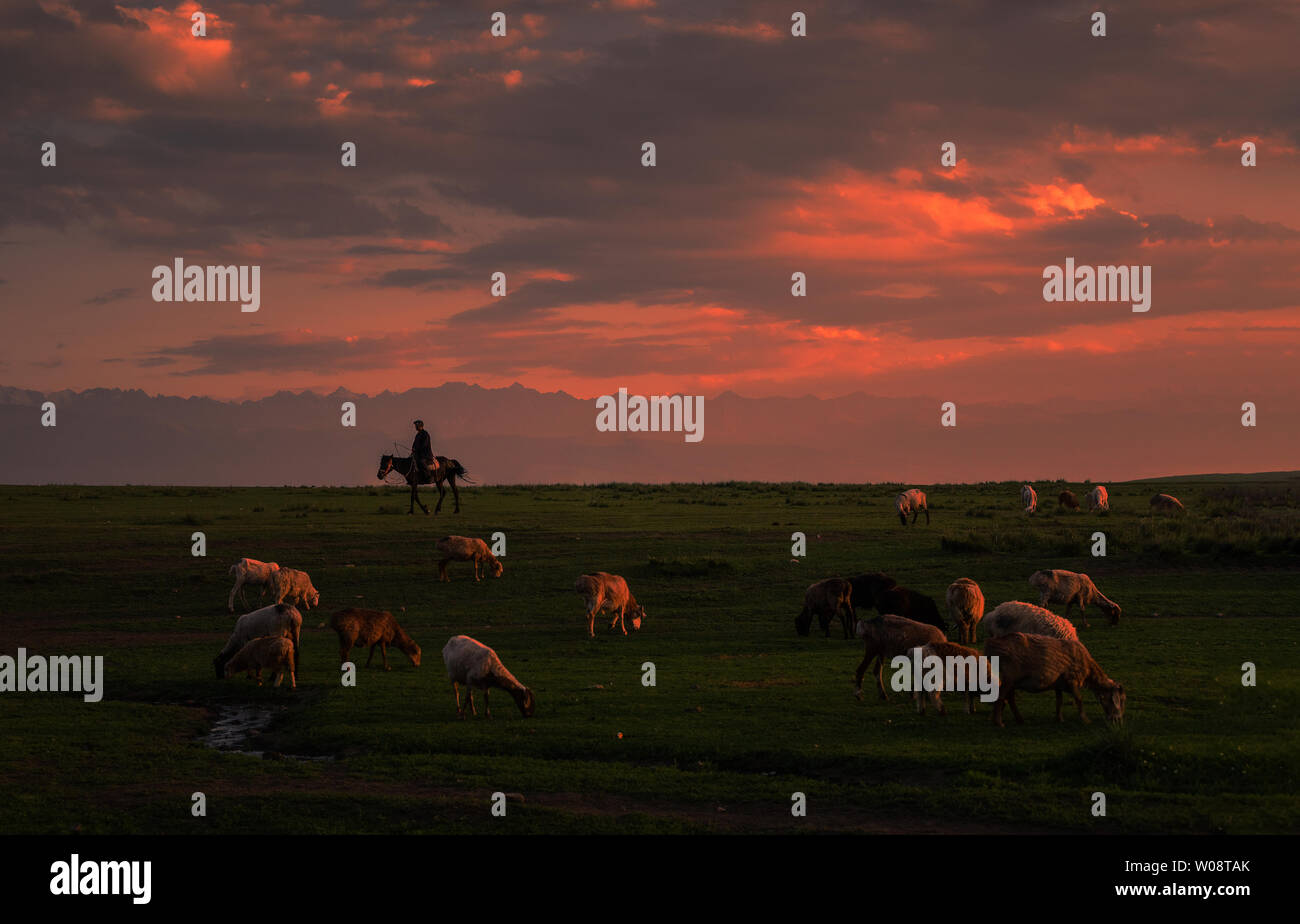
744	712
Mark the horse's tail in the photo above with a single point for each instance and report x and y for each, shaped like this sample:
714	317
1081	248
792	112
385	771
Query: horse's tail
459	471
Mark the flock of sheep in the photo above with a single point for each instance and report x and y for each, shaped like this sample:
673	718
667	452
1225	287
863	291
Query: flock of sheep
912	501
1036	649
269	638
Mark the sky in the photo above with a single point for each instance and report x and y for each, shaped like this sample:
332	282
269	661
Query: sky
776	154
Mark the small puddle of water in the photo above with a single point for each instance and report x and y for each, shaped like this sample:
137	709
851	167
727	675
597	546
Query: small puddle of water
237	725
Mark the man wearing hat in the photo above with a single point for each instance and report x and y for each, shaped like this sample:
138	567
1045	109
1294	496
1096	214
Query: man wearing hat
422	452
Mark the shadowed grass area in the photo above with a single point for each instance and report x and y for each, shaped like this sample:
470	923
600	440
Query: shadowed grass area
744	713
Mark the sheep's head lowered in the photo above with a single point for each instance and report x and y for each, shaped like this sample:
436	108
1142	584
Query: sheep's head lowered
1111	697
637	613
525	700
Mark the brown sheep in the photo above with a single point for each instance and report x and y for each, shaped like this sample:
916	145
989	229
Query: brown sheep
1036	663
1072	589
460	548
968	672
605	591
966	607
274	653
1166	503
826	600
1068	500
374	628
887	637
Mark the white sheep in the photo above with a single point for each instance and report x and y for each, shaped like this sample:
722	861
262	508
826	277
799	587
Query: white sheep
965	608
294	586
1025	617
911	501
1098	498
1028	498
251	573
278	619
1072	588
476	665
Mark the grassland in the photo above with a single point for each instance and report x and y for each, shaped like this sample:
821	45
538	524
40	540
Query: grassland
744	712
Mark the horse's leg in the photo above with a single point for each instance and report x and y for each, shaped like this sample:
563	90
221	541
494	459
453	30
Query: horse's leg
441	493
455	493
415	499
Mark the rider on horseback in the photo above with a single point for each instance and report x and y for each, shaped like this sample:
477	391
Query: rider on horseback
422	453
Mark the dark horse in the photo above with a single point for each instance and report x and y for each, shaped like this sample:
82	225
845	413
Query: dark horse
447	470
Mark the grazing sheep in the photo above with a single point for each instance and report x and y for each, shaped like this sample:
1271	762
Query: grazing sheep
249	572
1068	500
866	587
879	591
278	619
460	548
825	600
1035	663
1028	498
376	628
294	586
1071	588
1025	617
911	501
476	665
1166	503
605	591
887	637
968	670
1098	498
270	653
965	607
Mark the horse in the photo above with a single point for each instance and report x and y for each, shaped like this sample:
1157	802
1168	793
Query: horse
447	470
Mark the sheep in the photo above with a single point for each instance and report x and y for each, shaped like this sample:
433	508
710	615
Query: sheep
1028	498
294	586
881	592
825	600
1025	617
1098	498
251	573
376	628
605	591
1068	500
866	587
1166	503
476	665
1071	588
275	653
460	548
887	637
278	619
966	608
1035	663
967	670
911	501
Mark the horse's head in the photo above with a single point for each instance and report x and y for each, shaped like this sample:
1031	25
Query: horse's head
385	466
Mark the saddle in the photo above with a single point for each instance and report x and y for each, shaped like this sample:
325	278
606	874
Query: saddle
421	478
